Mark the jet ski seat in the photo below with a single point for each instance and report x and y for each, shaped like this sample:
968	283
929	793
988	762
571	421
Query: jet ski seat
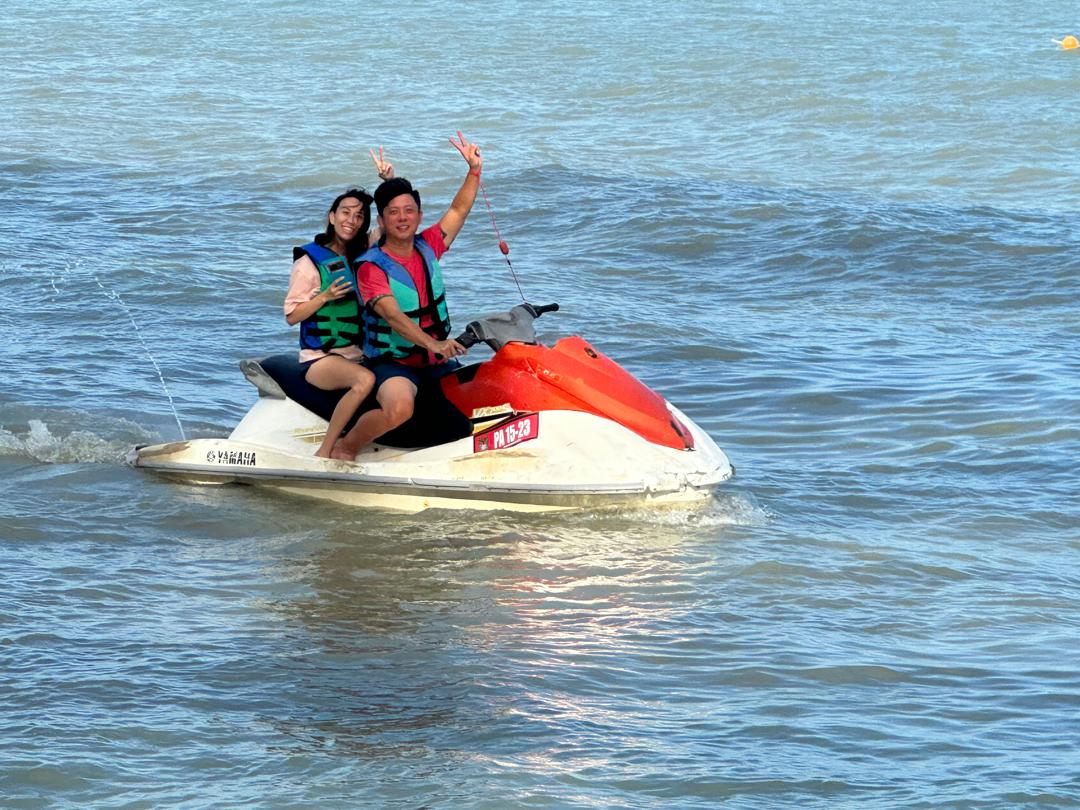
434	421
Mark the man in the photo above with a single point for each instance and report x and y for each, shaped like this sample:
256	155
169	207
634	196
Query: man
400	282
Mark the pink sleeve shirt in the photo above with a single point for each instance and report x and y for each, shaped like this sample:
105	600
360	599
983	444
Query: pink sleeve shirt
304	284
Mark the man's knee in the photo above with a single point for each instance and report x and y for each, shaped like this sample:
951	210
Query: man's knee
399	410
396	397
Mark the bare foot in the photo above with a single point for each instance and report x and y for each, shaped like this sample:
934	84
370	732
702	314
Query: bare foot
341	455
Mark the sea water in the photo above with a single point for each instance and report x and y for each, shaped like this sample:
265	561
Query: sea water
842	237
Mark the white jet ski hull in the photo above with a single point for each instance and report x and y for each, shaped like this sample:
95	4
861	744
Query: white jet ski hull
573	460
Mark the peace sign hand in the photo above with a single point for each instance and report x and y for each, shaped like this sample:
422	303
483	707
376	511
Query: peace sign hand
383	167
469	151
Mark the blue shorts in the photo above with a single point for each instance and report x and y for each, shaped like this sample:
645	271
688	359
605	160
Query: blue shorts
386	368
306	364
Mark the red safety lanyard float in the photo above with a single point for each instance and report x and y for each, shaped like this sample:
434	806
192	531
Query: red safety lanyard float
503	247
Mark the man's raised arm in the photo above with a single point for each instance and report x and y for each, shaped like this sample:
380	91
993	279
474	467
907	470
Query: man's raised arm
454	218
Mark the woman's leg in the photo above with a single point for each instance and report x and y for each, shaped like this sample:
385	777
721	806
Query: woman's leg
396	397
333	373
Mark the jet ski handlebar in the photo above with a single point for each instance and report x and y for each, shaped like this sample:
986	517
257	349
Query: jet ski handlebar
537	311
506	327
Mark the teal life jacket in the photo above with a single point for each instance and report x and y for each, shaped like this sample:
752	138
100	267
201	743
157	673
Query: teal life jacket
379	337
336	324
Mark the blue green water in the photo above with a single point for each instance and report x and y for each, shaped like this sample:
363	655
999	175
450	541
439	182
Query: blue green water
843	238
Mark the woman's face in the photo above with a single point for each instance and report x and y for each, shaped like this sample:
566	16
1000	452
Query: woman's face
348	218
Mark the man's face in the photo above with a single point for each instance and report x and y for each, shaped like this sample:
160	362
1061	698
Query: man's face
401	217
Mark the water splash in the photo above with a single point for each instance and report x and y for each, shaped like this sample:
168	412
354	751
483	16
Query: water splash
40	444
66	270
723	509
115	296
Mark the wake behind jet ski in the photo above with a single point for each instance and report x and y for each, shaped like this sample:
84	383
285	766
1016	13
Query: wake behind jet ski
534	428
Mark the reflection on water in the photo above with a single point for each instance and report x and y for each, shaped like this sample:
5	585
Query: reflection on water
432	632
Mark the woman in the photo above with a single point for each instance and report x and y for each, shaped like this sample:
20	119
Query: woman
322	300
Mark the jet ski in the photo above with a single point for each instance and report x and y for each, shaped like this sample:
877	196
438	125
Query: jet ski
533	428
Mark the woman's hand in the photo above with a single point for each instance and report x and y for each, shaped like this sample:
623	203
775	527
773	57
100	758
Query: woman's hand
469	151
339	289
383	167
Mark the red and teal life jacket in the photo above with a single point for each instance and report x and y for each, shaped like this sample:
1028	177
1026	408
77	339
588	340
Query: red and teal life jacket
379	337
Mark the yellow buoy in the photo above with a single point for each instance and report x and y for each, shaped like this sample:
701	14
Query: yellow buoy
1068	43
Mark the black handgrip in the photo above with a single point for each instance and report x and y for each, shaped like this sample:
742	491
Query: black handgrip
468	338
537	311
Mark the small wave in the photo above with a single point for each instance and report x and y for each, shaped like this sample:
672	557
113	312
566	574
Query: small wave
37	442
723	509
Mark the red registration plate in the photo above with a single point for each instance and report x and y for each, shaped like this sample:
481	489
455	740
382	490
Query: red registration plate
507	434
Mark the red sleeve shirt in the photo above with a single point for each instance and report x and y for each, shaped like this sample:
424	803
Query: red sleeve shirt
372	281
